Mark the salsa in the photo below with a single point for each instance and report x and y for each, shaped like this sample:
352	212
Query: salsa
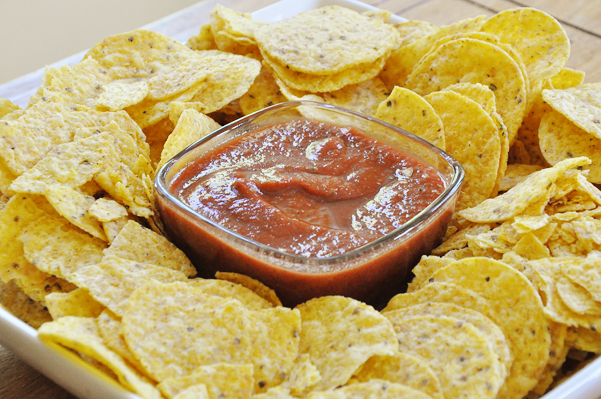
308	188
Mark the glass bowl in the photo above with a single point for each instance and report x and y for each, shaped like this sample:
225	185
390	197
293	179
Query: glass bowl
371	273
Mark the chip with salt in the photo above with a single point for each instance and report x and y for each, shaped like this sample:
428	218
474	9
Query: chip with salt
403	61
561	139
120	94
549	271
199	329
404	369
533	190
485	97
113	280
475	61
515	174
326	40
75	303
226	289
537	37
577	298
7	107
480	155
530	247
340	334
567	78
304	375
234	32
191	126
110	329
374	389
492	333
586	273
426	267
13	299
137	54
106	210
584	339
81	334
17	214
143	245
120	182
70	165
413	30
254	285
456	350
409	111
263	93
73	205
458	240
198	391
441	292
57	247
326	83
204	40
222	380
516	307
74	86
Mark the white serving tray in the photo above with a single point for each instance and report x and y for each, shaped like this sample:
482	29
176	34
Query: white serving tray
82	380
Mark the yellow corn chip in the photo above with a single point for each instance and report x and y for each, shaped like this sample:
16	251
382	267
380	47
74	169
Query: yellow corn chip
404	369
254	285
531	191
57	247
404	60
120	94
427	266
566	78
140	244
488	64
113	280
199	391
451	347
538	37
75	303
204	40
481	155
376	389
338	355
199	330
17	214
13	299
191	126
340	39
81	334
409	111
109	328
7	107
584	339
561	139
222	380
413	30
515	174
73	205
516	307
263	93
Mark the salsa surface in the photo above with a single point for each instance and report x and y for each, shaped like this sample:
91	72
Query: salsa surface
308	188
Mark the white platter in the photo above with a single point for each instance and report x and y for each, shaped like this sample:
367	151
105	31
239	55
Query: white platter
84	381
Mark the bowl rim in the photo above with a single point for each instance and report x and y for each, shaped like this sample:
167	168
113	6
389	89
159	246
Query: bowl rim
161	189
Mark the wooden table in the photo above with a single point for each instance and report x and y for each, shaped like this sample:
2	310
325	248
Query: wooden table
580	18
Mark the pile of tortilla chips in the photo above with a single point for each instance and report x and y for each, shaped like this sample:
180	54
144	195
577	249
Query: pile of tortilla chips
494	312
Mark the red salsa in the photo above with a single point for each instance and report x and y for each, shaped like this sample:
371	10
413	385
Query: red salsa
308	188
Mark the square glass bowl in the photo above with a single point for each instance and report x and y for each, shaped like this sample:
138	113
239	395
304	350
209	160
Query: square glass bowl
372	273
